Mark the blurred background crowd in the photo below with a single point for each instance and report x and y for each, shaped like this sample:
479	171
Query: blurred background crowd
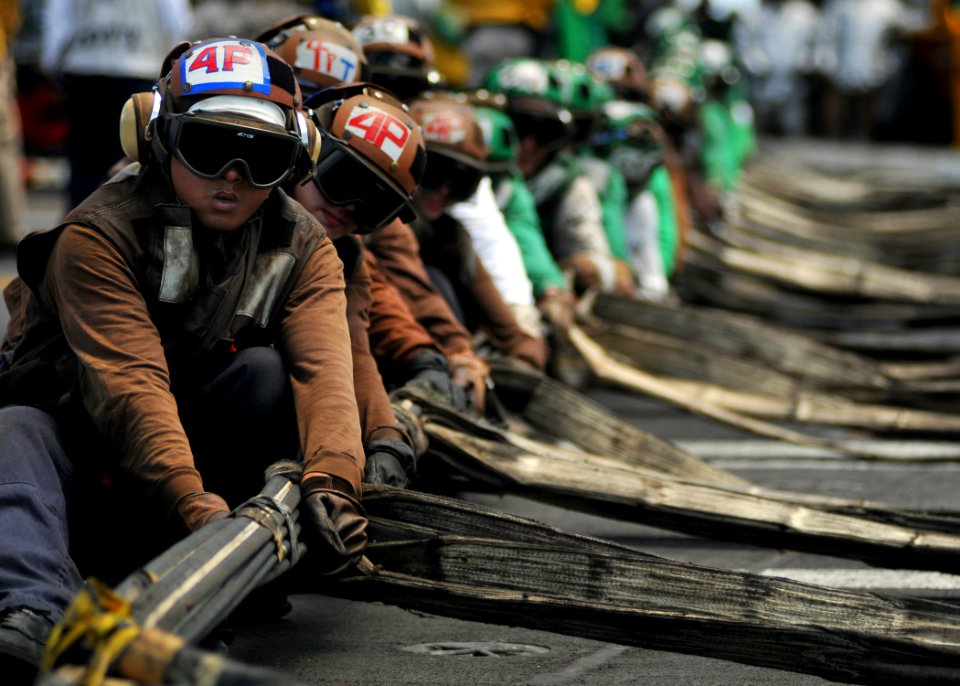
869	70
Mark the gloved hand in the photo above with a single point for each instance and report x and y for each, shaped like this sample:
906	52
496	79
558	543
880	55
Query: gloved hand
470	373
197	509
558	308
334	525
624	283
586	273
389	462
430	372
408	417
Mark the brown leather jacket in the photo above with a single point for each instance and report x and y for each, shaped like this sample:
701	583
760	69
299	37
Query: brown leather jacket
110	300
376	412
445	245
398	254
396	337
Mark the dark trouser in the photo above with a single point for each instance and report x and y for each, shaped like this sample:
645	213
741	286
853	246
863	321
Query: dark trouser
239	422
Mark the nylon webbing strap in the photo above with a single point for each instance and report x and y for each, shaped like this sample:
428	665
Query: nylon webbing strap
260	509
100	621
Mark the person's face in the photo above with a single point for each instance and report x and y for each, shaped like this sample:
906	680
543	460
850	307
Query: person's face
531	156
431	203
336	219
222	204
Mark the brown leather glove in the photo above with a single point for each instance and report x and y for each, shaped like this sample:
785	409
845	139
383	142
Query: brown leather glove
558	308
334	523
624	283
470	373
198	509
586	274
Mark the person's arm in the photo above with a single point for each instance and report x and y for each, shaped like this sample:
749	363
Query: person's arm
123	373
580	222
396	337
315	343
494	244
376	413
500	323
520	212
398	254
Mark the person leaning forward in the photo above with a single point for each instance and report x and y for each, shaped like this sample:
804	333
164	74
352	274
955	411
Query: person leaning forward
185	328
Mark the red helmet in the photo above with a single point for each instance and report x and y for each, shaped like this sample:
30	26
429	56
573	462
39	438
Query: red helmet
322	52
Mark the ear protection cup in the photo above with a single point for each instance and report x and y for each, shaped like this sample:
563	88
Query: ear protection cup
312	142
135	118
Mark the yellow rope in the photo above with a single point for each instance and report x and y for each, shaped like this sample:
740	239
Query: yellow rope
99	620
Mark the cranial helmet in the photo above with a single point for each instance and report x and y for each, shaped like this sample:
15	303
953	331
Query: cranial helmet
534	95
500	136
399	52
622	69
450	127
227	82
322	52
632	139
374	153
456	150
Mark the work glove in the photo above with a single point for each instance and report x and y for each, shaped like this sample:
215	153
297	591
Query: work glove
470	373
558	308
586	273
334	525
624	283
408	417
197	509
389	462
430	371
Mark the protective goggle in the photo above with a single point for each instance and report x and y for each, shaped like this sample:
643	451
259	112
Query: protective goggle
209	147
460	179
344	180
548	132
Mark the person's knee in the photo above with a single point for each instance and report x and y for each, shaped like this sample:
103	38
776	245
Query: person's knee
28	435
263	383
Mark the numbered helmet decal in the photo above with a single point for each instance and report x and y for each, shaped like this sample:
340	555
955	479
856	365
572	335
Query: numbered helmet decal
225	64
379	128
327	57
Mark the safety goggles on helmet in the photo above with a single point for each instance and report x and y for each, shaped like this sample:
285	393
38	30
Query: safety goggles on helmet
345	180
208	147
460	178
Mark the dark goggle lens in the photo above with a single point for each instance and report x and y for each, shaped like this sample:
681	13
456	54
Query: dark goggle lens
461	179
343	181
208	149
545	131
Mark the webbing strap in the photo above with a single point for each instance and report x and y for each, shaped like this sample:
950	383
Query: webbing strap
99	619
260	508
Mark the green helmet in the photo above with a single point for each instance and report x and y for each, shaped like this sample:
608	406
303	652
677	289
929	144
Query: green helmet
533	100
631	139
524	77
582	94
501	138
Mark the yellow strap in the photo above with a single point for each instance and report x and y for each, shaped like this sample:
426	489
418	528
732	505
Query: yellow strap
100	619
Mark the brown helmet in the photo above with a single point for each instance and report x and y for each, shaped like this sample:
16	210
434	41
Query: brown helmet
456	150
450	127
235	82
399	53
322	52
622	69
370	131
